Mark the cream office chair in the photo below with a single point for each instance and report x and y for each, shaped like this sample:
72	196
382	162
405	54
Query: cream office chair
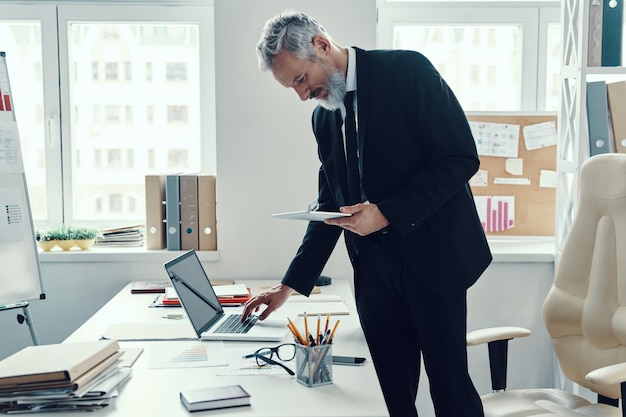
584	311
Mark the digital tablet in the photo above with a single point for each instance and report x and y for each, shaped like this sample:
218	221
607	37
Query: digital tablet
316	216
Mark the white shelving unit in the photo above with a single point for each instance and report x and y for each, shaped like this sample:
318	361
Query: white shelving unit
573	144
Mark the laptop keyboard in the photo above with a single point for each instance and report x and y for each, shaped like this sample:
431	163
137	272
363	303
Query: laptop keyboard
233	324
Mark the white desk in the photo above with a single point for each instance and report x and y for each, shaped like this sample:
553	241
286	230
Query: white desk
155	392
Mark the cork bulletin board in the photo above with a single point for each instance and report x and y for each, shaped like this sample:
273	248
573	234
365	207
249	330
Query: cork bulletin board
515	189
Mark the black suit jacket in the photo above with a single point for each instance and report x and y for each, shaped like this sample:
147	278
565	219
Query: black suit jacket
417	155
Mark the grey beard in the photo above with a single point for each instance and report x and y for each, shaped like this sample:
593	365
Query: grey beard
336	86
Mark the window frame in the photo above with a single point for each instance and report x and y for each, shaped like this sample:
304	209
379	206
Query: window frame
54	18
533	17
45	15
142	12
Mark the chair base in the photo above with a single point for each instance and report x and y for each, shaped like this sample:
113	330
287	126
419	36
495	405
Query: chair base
543	403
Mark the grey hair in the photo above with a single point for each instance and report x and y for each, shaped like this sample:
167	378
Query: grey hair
290	31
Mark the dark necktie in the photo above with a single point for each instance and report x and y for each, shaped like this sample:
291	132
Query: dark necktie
352	164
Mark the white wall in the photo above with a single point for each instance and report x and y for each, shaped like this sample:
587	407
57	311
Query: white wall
267	159
267	163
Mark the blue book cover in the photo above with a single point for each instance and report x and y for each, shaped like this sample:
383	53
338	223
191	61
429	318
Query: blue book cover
612	27
172	212
597	117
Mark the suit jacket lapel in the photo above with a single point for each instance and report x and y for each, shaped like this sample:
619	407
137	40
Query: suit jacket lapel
363	94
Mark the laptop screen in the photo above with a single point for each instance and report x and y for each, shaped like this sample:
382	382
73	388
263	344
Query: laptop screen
194	290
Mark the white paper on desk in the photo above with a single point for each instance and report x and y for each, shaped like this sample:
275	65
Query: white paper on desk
314	298
180	330
108	386
187	355
238	365
296	309
230	290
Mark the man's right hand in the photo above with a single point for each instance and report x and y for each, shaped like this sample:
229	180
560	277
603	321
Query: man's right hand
272	297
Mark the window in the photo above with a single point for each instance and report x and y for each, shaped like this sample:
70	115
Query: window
496	57
128	73
110	71
148	71
176	114
140	73
176	71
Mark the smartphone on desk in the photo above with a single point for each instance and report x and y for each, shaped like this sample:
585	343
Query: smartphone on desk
348	360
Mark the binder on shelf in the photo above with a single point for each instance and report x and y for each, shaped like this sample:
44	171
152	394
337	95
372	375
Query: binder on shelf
594	40
207	208
155	212
188	212
597	117
612	28
616	94
172	212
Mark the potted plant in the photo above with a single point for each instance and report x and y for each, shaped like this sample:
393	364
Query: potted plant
44	239
84	237
63	237
66	237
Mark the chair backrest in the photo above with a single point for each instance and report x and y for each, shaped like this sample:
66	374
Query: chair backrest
585	310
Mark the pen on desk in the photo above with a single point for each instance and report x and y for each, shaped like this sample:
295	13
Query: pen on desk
325	337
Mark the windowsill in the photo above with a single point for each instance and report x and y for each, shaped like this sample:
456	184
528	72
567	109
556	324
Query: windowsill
119	254
503	250
522	249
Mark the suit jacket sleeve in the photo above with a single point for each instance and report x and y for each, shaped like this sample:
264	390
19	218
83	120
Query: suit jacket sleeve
317	245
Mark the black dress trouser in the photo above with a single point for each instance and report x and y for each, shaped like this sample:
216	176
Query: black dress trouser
401	318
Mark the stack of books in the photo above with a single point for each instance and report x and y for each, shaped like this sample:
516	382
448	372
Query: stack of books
228	293
61	377
122	236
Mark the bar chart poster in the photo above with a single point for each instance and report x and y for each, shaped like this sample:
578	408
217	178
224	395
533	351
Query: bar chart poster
496	213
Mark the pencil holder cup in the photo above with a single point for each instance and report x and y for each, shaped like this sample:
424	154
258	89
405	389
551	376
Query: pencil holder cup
314	366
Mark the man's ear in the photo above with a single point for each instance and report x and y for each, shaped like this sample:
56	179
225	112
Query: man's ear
322	44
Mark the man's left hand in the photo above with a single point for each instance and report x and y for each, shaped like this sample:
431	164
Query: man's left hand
366	219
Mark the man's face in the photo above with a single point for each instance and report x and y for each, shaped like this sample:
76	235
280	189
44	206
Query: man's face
310	79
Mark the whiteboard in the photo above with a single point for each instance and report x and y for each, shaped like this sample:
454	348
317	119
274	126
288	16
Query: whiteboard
20	275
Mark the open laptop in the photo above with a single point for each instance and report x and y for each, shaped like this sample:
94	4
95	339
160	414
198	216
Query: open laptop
203	308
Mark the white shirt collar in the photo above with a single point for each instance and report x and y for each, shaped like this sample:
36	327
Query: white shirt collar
351	73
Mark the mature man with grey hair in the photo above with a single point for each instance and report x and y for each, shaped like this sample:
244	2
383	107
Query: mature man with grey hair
400	169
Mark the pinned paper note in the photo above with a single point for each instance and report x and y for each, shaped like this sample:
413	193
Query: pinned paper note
514	166
512	181
497	213
480	179
496	139
540	135
547	178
